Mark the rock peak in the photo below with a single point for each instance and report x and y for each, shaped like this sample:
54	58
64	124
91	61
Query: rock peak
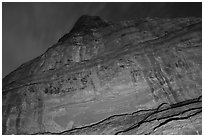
85	24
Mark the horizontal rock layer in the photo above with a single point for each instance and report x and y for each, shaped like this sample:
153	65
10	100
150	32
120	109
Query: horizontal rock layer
180	118
146	68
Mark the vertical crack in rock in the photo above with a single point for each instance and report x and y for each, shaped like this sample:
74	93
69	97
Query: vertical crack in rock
142	76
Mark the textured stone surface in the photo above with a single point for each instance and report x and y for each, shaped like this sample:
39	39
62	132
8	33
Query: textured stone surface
132	77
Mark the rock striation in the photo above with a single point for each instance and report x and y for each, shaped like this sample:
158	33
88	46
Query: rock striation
142	76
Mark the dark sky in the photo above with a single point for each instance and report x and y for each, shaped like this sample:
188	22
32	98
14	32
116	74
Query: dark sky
28	29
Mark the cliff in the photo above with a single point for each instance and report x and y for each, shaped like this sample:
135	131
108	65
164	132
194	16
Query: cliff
142	76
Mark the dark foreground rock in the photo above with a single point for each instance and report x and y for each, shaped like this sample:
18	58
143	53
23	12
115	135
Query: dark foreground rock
133	77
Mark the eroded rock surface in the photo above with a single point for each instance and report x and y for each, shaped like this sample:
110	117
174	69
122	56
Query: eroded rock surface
133	77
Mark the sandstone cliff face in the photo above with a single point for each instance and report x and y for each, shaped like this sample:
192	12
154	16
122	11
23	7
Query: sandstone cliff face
133	77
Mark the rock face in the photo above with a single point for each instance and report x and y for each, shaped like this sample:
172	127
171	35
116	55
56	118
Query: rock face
132	77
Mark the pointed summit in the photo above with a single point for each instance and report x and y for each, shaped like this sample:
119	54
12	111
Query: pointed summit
85	24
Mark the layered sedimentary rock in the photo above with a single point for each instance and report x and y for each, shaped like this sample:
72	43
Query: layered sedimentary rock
132	77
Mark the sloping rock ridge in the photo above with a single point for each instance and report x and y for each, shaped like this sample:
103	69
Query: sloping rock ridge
142	76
